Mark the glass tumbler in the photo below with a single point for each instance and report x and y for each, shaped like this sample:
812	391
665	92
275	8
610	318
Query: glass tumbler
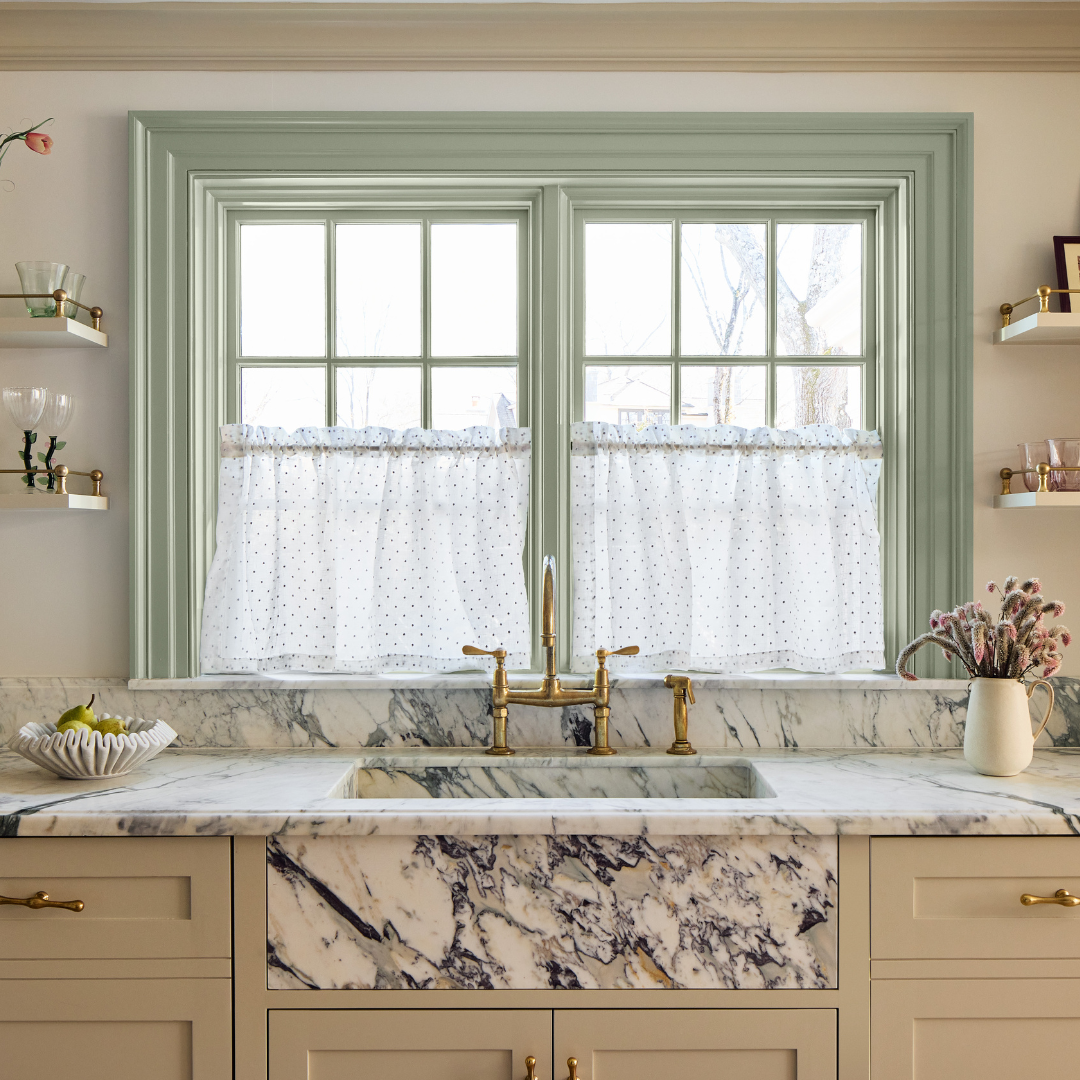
41	277
1031	454
1064	452
73	286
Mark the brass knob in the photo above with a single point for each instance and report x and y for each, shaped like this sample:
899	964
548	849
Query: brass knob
530	1068
1062	897
571	1064
95	478
61	479
41	900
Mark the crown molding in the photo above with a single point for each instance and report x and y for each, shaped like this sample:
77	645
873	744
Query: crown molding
856	36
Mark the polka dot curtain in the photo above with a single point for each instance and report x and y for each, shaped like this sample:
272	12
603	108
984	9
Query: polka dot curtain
726	549
367	550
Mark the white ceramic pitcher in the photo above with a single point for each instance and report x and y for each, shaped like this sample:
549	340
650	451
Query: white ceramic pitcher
997	735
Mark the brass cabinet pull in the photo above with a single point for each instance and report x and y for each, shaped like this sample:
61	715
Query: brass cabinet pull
530	1068
571	1064
1062	897
40	900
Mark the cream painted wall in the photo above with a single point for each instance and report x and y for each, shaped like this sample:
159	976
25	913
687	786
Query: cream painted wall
65	576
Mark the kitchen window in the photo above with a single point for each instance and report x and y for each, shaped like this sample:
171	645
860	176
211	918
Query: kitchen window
692	268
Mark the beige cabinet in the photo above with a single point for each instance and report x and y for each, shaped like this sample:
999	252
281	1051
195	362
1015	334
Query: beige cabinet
137	984
122	1029
405	1044
992	1029
965	975
697	1044
143	897
608	1044
959	897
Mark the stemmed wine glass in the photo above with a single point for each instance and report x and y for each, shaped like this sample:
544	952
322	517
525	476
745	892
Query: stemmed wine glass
25	404
59	410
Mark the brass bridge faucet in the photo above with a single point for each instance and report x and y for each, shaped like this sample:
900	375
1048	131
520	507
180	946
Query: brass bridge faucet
550	694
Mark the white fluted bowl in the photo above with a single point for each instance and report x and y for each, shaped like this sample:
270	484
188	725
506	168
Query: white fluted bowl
83	755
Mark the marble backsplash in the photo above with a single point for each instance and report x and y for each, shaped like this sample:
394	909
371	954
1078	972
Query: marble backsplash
858	712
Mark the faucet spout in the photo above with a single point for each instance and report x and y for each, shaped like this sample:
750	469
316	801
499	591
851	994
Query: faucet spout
547	621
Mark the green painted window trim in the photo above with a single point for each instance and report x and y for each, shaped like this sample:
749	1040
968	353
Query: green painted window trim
191	171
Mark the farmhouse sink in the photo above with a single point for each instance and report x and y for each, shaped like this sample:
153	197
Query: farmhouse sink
567	778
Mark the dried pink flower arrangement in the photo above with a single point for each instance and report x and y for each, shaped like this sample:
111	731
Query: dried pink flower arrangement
1016	643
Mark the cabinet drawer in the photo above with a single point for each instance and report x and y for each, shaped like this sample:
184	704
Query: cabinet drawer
959	898
128	1029
144	897
983	1029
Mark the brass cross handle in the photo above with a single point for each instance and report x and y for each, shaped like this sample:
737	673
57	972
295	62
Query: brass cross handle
626	650
571	1064
1062	897
530	1068
40	900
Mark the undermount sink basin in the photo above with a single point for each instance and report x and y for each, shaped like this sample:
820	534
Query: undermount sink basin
576	779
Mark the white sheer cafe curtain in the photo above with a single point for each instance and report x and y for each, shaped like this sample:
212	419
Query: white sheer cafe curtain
366	550
726	549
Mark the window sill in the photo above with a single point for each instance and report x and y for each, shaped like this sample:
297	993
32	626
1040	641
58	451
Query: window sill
775	681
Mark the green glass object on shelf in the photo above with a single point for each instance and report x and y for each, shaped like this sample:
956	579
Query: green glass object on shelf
24	405
41	277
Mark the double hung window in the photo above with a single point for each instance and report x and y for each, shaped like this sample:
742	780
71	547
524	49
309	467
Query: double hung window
714	270
390	319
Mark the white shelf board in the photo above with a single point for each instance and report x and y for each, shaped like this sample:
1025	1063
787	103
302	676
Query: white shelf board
43	500
1059	327
23	332
1020	499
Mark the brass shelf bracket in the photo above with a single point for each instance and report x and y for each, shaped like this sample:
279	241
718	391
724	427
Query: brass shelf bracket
61	298
1043	470
1042	294
61	473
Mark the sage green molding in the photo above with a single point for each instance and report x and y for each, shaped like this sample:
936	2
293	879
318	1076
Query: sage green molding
190	170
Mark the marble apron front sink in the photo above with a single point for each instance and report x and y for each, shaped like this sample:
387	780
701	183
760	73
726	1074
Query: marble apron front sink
555	778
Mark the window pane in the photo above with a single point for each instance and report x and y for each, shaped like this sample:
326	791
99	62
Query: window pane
819	395
378	288
725	290
378	397
628	289
283	290
819	290
464	397
288	397
724	395
474	289
637	395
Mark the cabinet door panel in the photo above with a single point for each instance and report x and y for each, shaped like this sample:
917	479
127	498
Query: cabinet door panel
145	897
990	1029
697	1044
403	1044
130	1029
959	897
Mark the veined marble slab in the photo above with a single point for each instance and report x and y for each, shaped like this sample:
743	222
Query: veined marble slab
780	714
551	912
299	793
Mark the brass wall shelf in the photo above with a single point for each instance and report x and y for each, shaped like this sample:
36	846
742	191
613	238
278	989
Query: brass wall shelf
57	331
61	499
1041	328
23	332
1018	500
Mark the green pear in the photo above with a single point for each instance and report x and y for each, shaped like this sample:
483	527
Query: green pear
73	725
110	727
83	713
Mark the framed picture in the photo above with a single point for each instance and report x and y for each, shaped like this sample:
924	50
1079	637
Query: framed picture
1067	256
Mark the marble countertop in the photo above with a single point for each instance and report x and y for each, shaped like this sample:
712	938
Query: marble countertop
282	792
